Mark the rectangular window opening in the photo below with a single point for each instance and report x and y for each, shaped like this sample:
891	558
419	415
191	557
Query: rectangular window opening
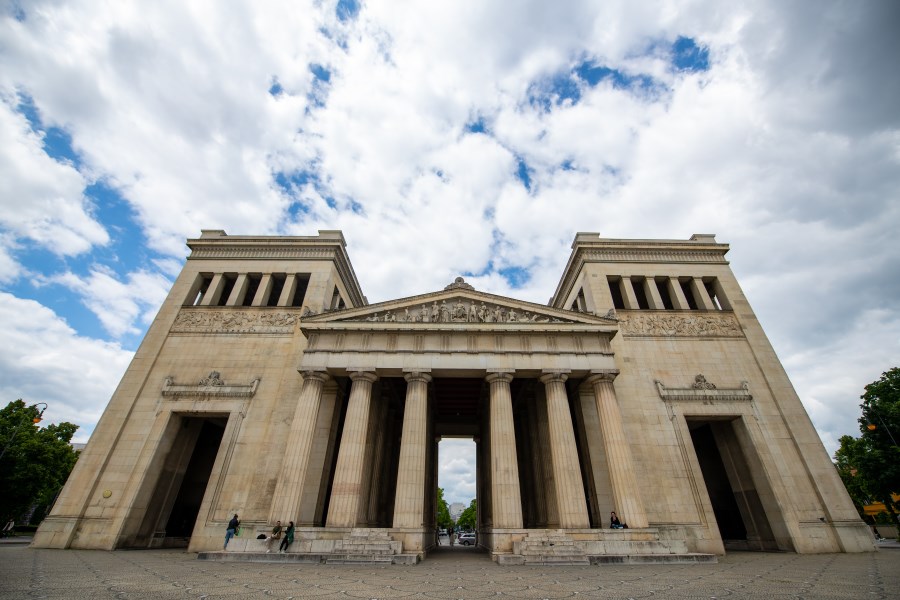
616	292
253	280
204	279
710	286
337	303
579	304
638	284
300	289
228	281
277	285
661	285
688	293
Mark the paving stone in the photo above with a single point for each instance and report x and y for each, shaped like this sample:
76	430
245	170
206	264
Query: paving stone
165	574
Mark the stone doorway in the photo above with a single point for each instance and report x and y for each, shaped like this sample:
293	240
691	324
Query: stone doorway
733	492
185	462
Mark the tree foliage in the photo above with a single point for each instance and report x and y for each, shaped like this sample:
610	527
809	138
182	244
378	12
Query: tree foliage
36	460
444	520
467	519
870	464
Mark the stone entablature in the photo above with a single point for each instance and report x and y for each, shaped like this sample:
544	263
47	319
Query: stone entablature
689	324
210	386
212	320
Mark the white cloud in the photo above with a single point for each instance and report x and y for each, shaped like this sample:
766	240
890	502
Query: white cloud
44	360
118	304
788	148
40	199
456	466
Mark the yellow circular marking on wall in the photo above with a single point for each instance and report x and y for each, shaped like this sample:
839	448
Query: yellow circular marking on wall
107	493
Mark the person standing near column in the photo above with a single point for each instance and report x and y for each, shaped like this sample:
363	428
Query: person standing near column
233	525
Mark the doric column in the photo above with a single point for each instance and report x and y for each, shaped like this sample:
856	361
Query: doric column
262	292
214	291
679	301
626	288
567	471
287	292
628	504
238	291
652	294
348	474
289	489
505	492
701	296
720	295
409	505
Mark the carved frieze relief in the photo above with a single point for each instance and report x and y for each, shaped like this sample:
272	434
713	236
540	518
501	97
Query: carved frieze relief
210	386
663	323
194	320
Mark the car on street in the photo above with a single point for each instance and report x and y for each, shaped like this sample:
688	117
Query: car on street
467	539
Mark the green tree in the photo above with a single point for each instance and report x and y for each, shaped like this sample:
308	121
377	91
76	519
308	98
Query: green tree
870	464
444	520
467	519
35	461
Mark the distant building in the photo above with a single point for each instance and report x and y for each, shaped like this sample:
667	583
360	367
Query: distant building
268	386
456	509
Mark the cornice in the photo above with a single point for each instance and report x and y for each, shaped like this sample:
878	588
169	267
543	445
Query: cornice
208	387
704	391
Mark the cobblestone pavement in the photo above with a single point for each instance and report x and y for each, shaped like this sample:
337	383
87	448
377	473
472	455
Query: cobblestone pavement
447	574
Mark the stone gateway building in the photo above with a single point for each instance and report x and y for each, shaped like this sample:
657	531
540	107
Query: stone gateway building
269	387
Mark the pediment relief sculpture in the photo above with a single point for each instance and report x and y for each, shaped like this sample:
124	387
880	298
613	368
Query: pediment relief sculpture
459	303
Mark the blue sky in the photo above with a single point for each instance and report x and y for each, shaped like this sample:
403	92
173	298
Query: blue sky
445	140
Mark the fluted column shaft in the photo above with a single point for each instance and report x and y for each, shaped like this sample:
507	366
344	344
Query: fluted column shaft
289	489
507	502
348	473
567	471
625	490
409	505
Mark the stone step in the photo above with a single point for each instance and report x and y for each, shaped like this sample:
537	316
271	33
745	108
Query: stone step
310	558
357	559
643	559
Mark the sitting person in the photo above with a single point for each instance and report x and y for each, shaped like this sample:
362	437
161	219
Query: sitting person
614	522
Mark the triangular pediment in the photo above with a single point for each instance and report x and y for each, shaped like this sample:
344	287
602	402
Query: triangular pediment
458	303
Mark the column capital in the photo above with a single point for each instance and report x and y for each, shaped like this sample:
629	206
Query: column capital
414	376
499	375
363	375
602	375
315	374
550	376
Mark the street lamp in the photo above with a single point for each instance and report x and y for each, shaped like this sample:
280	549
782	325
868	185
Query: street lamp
35	420
873	427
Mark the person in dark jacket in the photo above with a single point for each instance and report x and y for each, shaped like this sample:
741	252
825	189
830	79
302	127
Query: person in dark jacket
288	538
233	525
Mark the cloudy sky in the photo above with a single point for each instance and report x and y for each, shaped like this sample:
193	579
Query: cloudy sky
447	138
